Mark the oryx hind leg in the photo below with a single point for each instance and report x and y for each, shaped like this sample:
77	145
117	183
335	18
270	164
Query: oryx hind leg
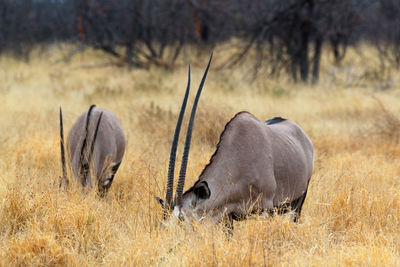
297	205
228	224
293	209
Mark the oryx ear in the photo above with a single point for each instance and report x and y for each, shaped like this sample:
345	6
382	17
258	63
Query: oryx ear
162	202
202	191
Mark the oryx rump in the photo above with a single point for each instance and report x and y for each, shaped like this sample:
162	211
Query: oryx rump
96	146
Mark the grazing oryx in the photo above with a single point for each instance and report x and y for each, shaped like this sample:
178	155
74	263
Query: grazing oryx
257	167
96	145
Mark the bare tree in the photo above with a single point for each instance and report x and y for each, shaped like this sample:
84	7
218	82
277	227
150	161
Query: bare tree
285	36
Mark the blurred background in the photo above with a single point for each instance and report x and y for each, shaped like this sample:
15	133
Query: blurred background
281	36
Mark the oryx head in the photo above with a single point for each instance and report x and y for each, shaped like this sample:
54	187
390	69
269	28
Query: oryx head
177	206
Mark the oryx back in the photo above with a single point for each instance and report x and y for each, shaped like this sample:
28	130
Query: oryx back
293	159
108	147
256	166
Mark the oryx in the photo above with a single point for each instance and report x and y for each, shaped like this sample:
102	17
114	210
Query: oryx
96	146
257	167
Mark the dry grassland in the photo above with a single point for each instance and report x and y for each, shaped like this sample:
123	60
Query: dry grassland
351	216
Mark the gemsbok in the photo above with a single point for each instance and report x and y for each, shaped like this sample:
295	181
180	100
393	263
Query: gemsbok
96	146
257	167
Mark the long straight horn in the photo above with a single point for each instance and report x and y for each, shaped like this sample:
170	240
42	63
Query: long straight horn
172	157
85	141
64	169
182	173
94	139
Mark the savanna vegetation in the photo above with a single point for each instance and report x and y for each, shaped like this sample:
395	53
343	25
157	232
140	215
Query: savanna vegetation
351	215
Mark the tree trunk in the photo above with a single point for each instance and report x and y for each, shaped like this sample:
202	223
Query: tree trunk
303	58
316	59
129	53
294	62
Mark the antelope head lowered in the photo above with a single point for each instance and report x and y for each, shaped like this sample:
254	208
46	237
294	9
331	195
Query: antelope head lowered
257	167
96	146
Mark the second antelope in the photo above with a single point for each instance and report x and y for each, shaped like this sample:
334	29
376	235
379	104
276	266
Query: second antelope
96	146
257	167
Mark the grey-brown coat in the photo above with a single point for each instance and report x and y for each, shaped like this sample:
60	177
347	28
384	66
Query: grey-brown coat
96	146
257	166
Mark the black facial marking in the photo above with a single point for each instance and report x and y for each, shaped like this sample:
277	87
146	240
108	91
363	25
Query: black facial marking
161	201
202	191
115	167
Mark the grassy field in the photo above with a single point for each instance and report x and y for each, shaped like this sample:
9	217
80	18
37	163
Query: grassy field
351	215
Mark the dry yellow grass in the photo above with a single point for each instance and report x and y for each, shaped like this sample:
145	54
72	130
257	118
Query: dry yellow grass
351	215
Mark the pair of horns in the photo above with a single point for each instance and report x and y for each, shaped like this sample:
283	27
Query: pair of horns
171	168
84	145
